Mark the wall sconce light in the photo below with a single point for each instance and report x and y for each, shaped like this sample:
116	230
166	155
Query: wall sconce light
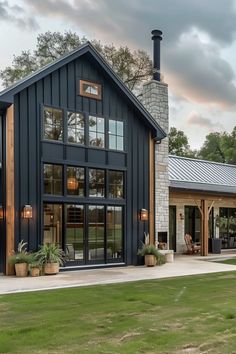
144	214
181	216
1	212
27	212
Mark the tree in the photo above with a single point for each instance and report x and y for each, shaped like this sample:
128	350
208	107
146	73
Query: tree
179	145
133	68
219	147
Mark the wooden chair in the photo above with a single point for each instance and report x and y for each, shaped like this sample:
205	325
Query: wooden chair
192	247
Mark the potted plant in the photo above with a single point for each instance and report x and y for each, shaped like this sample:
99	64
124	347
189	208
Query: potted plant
21	260
50	256
151	255
35	268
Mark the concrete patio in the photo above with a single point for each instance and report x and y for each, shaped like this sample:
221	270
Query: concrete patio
182	265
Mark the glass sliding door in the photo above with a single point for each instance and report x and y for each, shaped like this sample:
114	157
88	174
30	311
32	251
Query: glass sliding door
96	233
114	223
52	227
74	237
227	227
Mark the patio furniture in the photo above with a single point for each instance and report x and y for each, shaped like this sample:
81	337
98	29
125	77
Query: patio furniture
192	247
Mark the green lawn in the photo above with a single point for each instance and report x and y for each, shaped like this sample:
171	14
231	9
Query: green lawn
194	314
228	261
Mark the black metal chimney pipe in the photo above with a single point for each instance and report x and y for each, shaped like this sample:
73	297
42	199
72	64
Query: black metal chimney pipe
156	37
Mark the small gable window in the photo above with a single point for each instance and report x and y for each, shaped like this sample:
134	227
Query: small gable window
90	89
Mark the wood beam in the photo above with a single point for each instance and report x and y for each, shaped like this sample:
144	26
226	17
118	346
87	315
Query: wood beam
151	190
199	196
204	227
10	200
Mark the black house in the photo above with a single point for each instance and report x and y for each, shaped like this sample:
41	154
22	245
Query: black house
77	156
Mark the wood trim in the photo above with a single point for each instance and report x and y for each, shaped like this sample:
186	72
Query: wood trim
151	189
200	196
90	95
10	200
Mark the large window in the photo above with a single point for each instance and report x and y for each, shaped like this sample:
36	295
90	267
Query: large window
96	183
53	123
52	223
116	135
75	181
75	124
115	184
53	179
96	228
96	131
114	232
75	232
227	227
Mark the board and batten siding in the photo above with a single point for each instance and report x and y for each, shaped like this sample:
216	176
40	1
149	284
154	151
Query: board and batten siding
60	90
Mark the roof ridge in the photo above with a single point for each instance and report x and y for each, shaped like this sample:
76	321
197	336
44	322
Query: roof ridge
200	160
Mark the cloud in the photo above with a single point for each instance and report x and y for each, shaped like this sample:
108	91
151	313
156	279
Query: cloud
194	34
15	14
196	119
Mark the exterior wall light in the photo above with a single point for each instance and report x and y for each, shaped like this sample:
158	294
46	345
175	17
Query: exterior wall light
27	212
181	216
1	212
144	214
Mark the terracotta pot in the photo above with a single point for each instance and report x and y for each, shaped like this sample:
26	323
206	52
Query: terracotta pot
21	269
51	268
35	272
150	260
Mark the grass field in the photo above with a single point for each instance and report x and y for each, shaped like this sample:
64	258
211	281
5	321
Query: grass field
228	261
194	314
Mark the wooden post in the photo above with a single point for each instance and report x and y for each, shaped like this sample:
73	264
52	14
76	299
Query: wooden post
204	227
151	190
10	200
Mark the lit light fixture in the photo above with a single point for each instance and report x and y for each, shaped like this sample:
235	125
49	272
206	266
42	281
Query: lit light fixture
72	184
181	216
1	212
144	214
27	212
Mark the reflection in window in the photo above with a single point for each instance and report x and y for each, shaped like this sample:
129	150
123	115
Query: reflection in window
116	184
96	131
114	232
52	179
75	181
75	123
96	183
75	232
96	233
53	123
52	227
116	135
227	227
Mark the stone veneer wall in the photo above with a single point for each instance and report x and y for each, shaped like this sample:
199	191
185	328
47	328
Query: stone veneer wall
155	99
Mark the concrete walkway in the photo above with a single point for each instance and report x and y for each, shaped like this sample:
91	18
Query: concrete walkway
182	265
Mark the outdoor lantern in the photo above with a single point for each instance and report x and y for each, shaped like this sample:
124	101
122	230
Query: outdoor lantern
72	184
27	212
144	214
181	216
1	212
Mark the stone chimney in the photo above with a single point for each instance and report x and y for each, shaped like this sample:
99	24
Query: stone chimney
155	99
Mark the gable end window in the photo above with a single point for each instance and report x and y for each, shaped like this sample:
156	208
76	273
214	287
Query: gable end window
53	124
116	135
90	89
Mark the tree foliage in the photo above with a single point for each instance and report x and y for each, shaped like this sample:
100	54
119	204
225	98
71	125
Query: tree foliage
220	147
178	144
133	67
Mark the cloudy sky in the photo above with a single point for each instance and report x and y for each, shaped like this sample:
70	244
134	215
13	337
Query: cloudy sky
198	47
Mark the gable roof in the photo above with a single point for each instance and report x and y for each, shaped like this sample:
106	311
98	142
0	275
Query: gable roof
187	173
7	95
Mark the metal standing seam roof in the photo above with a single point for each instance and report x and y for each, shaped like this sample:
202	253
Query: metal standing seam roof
187	173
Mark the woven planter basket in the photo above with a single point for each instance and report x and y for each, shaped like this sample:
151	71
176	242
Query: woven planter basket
51	268
21	269
150	260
